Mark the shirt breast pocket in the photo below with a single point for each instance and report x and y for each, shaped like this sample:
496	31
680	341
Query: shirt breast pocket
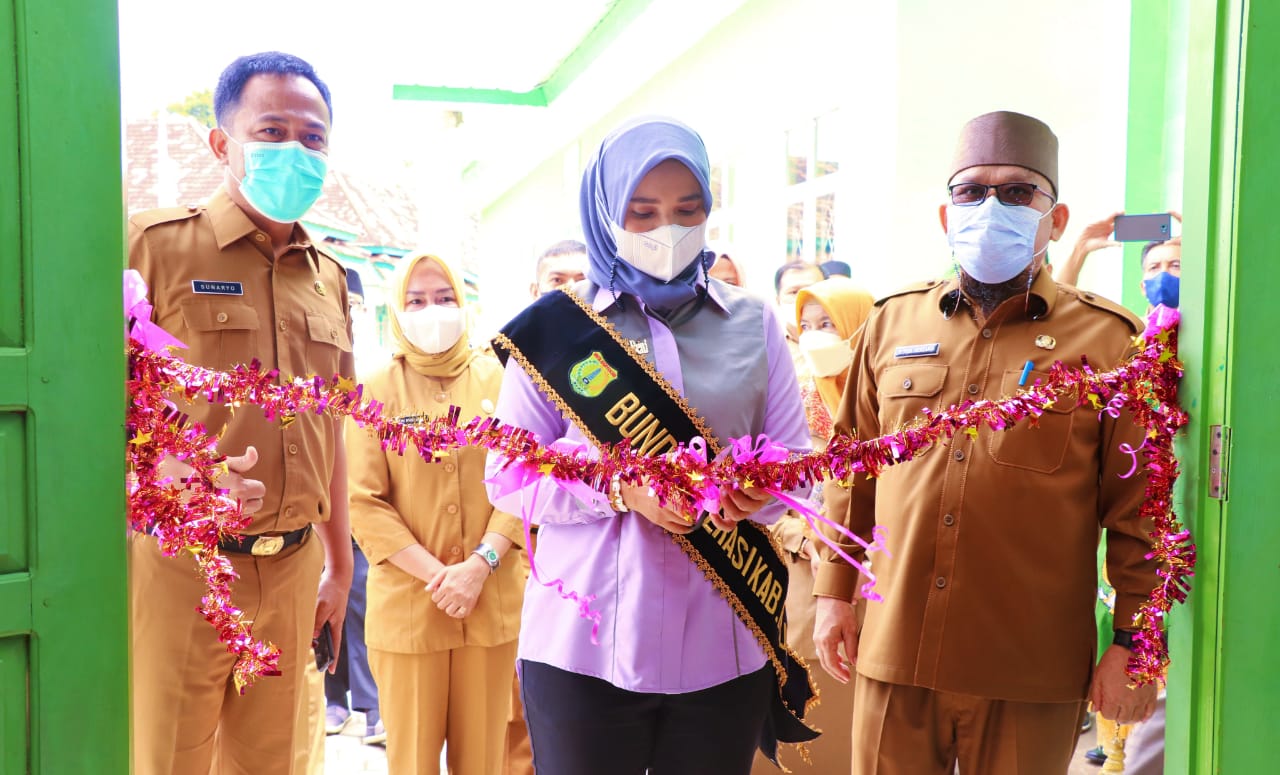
1039	444
907	388
226	331
328	340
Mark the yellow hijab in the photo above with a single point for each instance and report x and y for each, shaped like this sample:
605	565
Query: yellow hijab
449	363
848	306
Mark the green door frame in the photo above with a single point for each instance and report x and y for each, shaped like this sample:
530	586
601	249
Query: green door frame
1222	697
64	661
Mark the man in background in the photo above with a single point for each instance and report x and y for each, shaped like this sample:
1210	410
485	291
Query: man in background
789	280
564	263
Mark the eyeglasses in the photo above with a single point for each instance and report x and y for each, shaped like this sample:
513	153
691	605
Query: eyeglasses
1010	194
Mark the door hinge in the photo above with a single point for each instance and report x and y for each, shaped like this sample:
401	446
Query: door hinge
1219	460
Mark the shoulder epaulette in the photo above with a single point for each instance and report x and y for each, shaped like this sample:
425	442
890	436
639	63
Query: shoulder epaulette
148	218
1102	302
916	288
323	249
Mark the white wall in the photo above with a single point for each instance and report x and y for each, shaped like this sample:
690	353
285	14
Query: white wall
905	76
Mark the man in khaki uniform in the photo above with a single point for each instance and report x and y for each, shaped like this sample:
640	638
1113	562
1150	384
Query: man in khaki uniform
237	279
983	649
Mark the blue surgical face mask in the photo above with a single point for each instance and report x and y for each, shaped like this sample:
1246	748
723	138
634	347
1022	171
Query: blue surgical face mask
1162	289
992	242
281	180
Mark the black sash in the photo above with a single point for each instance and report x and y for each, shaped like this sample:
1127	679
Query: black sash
611	394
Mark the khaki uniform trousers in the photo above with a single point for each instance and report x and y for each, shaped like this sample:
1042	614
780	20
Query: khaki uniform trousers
518	758
461	695
309	753
907	730
187	715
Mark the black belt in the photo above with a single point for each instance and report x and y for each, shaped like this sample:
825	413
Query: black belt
263	545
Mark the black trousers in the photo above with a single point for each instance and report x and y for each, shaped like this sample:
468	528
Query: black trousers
579	725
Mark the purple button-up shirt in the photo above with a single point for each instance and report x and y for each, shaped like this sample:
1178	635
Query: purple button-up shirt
664	627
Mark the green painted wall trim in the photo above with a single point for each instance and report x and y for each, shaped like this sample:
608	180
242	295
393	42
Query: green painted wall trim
535	97
610	26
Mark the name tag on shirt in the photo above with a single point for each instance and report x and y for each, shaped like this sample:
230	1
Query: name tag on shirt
916	350
217	287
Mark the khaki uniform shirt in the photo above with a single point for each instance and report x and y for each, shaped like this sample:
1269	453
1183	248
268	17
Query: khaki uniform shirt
991	571
399	500
216	286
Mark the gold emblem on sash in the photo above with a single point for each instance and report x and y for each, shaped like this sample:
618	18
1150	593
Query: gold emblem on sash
591	375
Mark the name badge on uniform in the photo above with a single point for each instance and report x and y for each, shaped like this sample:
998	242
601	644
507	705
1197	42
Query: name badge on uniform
916	350
217	287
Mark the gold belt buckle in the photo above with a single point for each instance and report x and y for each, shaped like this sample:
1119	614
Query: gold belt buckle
266	546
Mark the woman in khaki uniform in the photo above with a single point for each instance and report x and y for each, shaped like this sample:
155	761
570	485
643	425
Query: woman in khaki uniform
444	606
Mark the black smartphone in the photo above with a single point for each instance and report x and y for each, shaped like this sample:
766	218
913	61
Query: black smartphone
323	647
1155	227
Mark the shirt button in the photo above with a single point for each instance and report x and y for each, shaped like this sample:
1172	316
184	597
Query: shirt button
906	384
973	389
222	317
449	467
260	237
948	520
455	550
452	508
959	454
986	333
284	324
939	582
293	449
288	511
441	397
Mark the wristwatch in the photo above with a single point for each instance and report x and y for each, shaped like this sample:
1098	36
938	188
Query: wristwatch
1123	638
488	554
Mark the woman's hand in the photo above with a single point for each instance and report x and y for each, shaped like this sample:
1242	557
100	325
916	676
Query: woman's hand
737	505
455	588
638	498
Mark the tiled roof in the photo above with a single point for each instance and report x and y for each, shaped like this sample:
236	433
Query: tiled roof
175	167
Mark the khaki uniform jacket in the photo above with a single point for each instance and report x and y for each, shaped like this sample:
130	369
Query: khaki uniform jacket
399	500
991	574
216	286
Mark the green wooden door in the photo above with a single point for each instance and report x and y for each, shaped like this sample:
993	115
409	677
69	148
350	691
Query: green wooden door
63	597
1208	69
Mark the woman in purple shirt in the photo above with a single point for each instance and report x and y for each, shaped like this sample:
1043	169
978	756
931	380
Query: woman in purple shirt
678	683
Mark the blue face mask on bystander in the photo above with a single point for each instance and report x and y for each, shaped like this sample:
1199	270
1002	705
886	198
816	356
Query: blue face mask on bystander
1162	289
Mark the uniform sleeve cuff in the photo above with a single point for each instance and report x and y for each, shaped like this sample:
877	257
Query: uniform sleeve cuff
507	526
835	579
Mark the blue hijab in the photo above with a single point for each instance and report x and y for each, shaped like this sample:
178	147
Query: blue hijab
611	177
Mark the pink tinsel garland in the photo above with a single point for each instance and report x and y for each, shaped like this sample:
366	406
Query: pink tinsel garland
196	517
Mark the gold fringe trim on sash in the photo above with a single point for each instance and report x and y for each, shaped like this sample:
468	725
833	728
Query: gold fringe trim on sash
545	388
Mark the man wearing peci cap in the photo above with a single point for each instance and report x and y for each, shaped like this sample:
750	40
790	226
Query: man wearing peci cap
983	651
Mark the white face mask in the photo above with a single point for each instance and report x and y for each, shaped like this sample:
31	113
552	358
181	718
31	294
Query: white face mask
992	242
433	328
663	252
827	354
